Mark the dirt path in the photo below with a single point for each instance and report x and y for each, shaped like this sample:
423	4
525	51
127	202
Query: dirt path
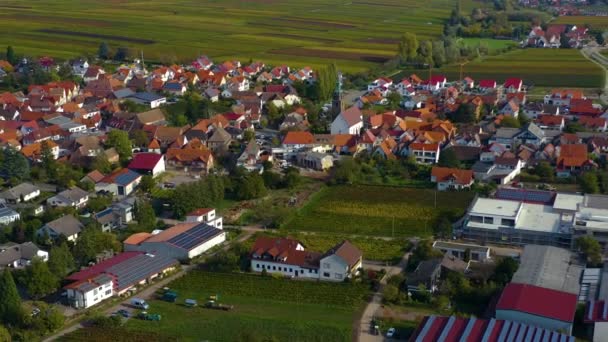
148	292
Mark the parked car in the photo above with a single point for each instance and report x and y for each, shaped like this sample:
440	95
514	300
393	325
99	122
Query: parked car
390	332
122	312
139	303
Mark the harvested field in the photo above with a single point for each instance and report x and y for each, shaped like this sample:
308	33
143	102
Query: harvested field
323	24
380	41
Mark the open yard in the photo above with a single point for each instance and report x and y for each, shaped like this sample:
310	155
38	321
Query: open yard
377	210
599	23
264	308
541	67
355	34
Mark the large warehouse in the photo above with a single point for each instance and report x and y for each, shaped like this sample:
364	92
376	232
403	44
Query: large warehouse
183	241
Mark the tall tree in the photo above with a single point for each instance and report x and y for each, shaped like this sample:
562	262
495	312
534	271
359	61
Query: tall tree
425	52
448	158
326	81
61	261
589	183
10	302
104	51
408	47
5	335
48	160
145	216
591	248
10	55
438	53
120	141
14	164
93	241
39	280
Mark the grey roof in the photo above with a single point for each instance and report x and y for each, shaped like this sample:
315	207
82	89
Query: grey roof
138	268
67	225
220	135
11	252
147	96
534	129
16	192
481	167
6	211
463	246
549	267
596	201
122	93
72	195
423	272
550	109
506	132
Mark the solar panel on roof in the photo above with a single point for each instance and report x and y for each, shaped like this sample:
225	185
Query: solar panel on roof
545	197
194	236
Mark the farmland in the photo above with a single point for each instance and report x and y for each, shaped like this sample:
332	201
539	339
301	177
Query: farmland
355	34
265	307
541	67
377	210
600	23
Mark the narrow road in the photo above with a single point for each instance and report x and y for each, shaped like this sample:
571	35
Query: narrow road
594	55
148	292
374	305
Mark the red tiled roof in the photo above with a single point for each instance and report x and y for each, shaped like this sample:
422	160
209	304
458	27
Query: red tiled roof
538	301
145	161
487	84
513	82
424	147
200	212
298	138
464	177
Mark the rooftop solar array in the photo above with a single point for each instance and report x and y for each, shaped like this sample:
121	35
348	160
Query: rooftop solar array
136	269
522	195
126	178
195	236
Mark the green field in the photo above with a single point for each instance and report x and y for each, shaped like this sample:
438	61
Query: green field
356	34
494	45
541	67
377	210
264	307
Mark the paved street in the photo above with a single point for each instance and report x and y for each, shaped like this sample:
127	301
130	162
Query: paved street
594	55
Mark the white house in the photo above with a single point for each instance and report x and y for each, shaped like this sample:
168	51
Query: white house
86	293
206	215
289	258
460	250
382	82
20	255
405	88
67	226
23	192
342	261
349	121
74	197
425	153
451	178
148	99
120	183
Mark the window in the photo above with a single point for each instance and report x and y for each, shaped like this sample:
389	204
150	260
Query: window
488	220
274	268
326	274
108	292
338	276
257	265
290	270
478	219
507	222
326	265
95	292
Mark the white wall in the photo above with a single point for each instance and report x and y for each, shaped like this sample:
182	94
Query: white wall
600	331
258	265
87	299
333	268
159	168
207	245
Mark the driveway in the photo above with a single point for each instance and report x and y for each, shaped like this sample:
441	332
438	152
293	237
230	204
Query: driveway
375	304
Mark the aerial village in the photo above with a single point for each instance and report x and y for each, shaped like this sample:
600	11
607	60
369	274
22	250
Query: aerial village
486	136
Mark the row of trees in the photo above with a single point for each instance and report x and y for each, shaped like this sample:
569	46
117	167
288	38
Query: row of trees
435	53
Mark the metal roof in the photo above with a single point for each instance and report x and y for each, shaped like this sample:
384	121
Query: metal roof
195	236
138	268
126	178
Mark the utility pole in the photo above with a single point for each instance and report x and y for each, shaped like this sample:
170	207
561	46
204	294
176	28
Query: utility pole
393	233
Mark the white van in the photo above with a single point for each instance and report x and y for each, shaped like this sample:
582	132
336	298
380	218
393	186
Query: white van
139	303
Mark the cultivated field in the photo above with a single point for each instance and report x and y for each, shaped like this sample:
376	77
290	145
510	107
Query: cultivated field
355	34
593	22
264	308
541	67
377	210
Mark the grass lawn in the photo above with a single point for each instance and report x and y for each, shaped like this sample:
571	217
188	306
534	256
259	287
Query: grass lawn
264	307
494	45
541	67
376	210
598	23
